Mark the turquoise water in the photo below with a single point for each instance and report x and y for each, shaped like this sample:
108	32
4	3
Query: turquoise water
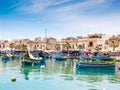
57	75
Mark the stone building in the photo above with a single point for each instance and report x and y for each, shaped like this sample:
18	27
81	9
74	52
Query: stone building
92	40
106	43
43	43
17	43
4	44
71	40
103	43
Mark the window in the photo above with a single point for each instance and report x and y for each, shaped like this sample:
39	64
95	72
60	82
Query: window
90	44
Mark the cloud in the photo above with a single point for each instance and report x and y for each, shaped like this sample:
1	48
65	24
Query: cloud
60	2
37	6
74	25
34	6
83	6
69	19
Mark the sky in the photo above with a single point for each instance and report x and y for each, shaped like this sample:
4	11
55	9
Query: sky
60	18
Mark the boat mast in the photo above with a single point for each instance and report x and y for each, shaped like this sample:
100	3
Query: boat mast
45	33
46	37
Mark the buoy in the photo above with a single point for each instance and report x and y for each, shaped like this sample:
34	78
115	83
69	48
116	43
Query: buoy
13	78
42	66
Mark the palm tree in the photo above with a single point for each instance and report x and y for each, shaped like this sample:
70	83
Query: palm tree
57	47
46	48
67	45
97	48
11	46
23	47
114	45
18	47
80	47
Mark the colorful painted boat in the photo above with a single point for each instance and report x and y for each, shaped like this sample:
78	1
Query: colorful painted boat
29	59
33	62
95	66
29	62
59	56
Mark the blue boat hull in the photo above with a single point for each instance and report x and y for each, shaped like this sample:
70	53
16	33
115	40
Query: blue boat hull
32	63
61	58
93	66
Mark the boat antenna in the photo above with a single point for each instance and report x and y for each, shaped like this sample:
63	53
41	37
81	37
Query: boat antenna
46	36
45	33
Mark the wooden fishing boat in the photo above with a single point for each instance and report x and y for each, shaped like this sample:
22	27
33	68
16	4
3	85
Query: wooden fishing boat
98	64
95	66
29	59
30	62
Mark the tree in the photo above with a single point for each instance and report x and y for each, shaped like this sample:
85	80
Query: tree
98	48
46	48
11	46
18	47
114	45
57	47
80	47
23	47
67	46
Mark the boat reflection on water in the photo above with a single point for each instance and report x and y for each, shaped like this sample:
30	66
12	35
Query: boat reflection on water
94	72
28	70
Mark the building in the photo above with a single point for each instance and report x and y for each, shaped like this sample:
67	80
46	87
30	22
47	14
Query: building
4	44
105	43
43	43
71	40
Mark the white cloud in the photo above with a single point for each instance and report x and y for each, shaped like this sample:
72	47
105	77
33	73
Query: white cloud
82	6
63	21
60	2
34	6
37	6
74	25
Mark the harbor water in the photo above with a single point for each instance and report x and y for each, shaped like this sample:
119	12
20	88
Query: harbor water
56	75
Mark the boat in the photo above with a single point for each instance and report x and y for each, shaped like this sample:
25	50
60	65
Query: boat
29	59
84	57
59	56
94	56
96	64
102	57
29	62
